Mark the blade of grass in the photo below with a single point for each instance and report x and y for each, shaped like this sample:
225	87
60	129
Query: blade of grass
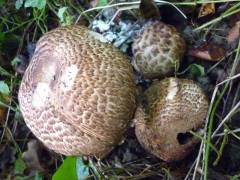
229	115
205	140
212	115
210	127
5	72
134	4
202	2
224	142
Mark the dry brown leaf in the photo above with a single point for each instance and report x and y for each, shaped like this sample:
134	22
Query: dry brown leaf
1	57
2	113
233	33
37	157
206	9
4	61
235	17
31	156
149	9
210	52
3	110
94	3
22	66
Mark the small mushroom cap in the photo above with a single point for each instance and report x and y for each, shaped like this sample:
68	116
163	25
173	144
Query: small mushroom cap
78	93
157	50
170	110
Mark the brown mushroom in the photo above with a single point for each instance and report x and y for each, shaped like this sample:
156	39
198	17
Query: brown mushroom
170	109
78	93
157	50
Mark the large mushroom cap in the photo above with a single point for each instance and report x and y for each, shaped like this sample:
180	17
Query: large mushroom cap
157	50
170	110
78	93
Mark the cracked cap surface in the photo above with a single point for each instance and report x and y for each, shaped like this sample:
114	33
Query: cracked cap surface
170	110
78	93
157	50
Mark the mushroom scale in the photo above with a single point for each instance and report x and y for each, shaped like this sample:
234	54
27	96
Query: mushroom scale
78	93
157	50
170	109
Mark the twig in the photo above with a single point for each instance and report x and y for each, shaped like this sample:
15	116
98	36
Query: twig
226	118
129	4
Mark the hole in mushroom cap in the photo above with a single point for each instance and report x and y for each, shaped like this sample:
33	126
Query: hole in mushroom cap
184	138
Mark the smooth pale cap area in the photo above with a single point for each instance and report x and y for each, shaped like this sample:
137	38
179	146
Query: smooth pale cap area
78	93
172	89
171	109
68	77
41	93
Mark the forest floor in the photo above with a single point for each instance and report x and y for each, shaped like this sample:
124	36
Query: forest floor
211	30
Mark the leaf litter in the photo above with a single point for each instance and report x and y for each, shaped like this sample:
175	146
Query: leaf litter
208	61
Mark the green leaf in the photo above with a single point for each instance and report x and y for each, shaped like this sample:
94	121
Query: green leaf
196	70
69	20
19	165
38	176
4	72
40	4
65	19
235	177
2	37
82	169
67	170
4	89
18	115
102	2
61	12
20	178
18	4
94	170
15	62
2	3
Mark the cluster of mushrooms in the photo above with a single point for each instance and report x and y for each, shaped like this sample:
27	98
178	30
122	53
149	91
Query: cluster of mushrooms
78	94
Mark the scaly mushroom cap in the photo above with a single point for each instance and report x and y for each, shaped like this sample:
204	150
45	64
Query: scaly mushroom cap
158	50
171	108
78	93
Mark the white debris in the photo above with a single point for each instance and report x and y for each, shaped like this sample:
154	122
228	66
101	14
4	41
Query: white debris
120	32
41	94
110	36
101	25
98	36
68	77
172	89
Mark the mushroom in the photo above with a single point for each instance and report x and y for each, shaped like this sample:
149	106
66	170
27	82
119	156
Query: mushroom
78	93
157	50
170	110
